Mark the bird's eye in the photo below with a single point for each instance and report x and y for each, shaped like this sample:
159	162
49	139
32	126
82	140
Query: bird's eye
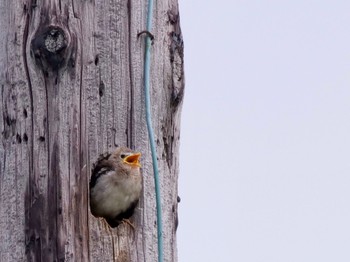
122	156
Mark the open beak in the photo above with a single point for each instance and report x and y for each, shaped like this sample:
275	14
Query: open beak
133	159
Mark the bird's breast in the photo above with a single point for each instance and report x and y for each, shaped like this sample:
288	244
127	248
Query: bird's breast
109	197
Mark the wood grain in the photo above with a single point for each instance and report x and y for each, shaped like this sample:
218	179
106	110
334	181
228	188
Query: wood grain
71	77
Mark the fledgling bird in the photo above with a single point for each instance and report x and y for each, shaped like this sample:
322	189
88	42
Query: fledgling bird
115	185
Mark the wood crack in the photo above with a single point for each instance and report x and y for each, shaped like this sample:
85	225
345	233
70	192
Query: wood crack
26	69
130	141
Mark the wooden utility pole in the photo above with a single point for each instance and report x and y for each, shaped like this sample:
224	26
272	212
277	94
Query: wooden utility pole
71	75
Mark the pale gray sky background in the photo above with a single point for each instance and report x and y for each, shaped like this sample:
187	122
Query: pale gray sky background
265	141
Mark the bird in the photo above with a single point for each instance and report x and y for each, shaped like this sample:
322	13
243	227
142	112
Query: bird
116	185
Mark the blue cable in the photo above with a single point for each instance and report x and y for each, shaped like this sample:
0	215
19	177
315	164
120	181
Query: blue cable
150	129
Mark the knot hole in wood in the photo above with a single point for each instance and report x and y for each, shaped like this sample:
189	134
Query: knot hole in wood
51	49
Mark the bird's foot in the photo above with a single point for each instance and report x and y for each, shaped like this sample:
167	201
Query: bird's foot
104	223
127	221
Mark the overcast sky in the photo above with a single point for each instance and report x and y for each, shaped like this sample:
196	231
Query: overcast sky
265	141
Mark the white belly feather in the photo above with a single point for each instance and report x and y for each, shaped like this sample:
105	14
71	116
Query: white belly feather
114	198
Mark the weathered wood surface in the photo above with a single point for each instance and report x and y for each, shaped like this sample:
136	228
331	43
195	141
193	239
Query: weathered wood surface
71	77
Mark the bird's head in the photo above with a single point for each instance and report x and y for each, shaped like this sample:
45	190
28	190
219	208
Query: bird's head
127	158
